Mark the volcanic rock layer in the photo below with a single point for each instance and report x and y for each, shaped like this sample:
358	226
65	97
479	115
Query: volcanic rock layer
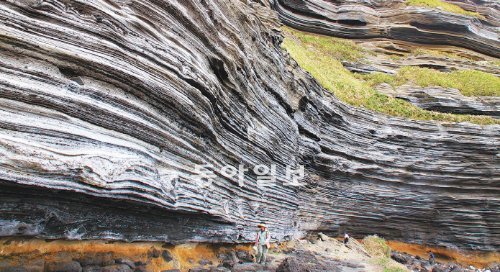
444	100
107	107
395	20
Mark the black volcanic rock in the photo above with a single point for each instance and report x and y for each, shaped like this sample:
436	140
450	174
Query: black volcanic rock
164	86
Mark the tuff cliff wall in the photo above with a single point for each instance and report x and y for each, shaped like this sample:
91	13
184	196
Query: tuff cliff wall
108	106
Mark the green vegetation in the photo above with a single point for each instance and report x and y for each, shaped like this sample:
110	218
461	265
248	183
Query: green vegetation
388	265
439	53
321	56
339	49
469	82
378	248
442	5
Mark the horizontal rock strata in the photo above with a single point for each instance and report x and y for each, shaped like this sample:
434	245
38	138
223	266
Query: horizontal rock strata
444	100
106	108
387	56
394	20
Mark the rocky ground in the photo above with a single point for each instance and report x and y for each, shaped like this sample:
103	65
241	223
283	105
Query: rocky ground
314	254
317	253
322	253
415	263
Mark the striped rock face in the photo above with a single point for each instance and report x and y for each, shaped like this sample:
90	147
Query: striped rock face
394	19
107	107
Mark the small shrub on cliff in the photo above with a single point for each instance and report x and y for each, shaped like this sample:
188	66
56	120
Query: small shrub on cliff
376	246
438	4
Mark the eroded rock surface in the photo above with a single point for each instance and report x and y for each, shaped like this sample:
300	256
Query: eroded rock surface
418	264
395	20
444	100
387	56
106	107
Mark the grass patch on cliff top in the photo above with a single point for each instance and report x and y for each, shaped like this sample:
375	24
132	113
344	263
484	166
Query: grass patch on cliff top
438	4
468	82
322	55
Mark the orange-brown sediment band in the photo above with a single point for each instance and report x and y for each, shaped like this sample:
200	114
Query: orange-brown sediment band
185	256
19	252
475	258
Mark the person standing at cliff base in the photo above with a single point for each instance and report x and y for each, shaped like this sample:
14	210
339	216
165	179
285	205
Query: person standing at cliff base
346	239
432	258
262	243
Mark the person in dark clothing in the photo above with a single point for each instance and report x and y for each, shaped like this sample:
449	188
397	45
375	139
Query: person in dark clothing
346	239
431	257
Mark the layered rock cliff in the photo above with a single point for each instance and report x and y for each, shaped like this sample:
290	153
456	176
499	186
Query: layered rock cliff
445	100
108	106
395	20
